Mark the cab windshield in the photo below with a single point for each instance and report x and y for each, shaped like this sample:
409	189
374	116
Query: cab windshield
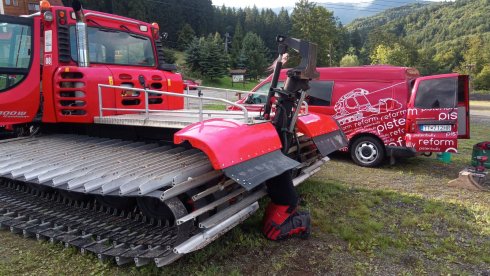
15	53
110	46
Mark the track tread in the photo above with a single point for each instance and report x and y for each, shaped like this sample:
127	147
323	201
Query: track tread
105	232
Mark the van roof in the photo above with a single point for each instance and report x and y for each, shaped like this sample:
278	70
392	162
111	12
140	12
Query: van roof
368	72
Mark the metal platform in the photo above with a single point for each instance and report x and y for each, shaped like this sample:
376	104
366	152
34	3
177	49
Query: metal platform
170	119
176	119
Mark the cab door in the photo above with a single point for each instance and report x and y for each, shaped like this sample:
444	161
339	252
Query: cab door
19	69
437	112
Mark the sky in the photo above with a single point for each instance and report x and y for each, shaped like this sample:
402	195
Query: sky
282	3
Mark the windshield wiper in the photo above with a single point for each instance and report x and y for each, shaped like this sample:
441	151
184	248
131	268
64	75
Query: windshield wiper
107	30
137	36
93	21
124	27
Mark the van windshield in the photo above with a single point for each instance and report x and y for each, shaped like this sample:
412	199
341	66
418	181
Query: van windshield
110	46
319	94
15	53
264	89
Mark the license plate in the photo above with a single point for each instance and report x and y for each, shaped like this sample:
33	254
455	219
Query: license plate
436	128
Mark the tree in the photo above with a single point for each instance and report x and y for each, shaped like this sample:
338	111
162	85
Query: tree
169	56
316	24
396	54
254	53
284	24
236	45
193	55
137	10
379	36
207	59
185	37
476	58
349	60
426	63
482	80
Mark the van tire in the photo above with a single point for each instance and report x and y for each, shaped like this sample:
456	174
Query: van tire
367	151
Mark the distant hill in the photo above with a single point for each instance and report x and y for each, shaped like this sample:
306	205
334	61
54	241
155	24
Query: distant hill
437	25
348	12
386	17
446	36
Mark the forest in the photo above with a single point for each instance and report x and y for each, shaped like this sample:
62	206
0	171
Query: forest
435	38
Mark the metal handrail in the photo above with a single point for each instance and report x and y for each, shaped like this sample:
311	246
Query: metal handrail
199	87
246	118
228	90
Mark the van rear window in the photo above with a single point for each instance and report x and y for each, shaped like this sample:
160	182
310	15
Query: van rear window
437	93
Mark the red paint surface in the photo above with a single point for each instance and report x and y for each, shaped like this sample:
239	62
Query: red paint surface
376	100
313	125
229	142
58	79
21	103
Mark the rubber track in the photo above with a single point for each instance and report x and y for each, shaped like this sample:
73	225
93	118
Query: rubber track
89	227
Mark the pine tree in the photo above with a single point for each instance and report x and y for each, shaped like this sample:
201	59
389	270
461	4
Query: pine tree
212	64
236	45
137	10
193	56
254	52
185	37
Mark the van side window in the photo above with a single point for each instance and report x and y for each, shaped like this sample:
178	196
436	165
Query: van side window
437	93
320	93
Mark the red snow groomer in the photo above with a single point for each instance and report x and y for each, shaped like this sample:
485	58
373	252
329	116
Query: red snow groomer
107	159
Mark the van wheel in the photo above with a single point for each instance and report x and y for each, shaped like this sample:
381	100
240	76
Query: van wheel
367	151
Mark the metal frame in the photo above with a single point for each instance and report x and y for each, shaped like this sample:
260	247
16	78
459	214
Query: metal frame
147	110
199	87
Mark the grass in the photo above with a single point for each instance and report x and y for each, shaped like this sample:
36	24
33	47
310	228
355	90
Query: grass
225	82
480	104
221	107
179	57
400	219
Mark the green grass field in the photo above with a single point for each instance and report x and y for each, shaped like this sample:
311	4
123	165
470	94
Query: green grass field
393	220
225	82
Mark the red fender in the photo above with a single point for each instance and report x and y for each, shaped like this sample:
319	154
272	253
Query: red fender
228	142
324	131
313	125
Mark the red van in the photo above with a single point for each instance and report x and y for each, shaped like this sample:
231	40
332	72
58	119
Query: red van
387	111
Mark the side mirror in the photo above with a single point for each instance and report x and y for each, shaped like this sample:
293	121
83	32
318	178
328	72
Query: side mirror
167	67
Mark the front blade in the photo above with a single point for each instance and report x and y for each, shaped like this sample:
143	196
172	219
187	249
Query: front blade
255	171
